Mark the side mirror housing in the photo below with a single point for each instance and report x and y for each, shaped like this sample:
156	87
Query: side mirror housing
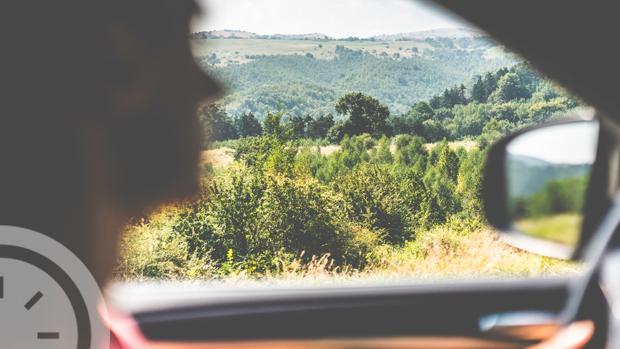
535	185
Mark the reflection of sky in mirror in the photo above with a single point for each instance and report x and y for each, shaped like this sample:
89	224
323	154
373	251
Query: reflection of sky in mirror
565	144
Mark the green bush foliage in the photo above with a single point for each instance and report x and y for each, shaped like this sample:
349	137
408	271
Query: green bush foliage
383	187
282	202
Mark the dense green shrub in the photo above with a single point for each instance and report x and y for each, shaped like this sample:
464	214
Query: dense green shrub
253	220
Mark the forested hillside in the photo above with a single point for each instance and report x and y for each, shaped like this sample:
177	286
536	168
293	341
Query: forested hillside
305	75
496	103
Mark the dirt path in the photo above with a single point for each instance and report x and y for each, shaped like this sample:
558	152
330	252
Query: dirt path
467	144
220	157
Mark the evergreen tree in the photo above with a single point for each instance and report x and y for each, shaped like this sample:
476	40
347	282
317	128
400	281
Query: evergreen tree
272	125
453	96
296	127
381	153
478	91
490	84
248	126
436	102
318	128
218	126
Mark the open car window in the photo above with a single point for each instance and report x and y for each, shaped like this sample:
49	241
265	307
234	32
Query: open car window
349	147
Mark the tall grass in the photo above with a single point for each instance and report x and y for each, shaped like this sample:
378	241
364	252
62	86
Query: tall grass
150	250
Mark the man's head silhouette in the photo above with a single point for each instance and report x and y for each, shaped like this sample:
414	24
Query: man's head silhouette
98	117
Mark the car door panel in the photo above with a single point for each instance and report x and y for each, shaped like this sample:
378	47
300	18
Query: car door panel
418	315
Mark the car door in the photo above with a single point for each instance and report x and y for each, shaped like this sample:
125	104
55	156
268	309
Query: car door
508	314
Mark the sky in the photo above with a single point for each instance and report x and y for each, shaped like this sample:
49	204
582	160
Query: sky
336	18
562	144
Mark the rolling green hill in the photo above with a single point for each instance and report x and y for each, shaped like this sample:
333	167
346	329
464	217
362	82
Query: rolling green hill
306	74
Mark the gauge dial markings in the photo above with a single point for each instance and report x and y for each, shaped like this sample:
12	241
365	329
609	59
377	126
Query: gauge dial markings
37	296
48	335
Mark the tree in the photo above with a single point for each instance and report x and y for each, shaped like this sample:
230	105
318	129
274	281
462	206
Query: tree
435	102
447	161
492	131
478	91
490	84
366	114
318	128
510	87
469	182
413	121
381	154
453	96
433	131
506	111
469	120
272	125
440	181
442	114
411	153
296	127
247	125
529	78
421	111
218	126
336	133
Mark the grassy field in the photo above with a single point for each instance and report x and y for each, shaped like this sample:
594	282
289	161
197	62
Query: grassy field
563	228
239	50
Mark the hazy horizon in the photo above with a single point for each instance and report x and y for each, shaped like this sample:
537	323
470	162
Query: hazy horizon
334	18
320	33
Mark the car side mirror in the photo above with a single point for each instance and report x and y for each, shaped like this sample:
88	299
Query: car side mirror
535	185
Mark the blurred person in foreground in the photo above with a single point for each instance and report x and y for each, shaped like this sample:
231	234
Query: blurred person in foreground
98	117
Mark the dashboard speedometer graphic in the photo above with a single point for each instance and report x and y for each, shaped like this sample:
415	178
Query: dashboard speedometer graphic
48	299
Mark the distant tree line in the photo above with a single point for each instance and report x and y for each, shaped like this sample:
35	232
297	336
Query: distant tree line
495	103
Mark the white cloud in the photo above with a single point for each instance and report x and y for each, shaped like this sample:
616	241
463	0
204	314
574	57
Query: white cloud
338	18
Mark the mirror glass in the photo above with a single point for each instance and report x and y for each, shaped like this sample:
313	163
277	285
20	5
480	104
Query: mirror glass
547	174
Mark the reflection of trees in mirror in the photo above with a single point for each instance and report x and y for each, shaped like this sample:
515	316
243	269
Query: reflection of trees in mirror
527	175
553	212
564	195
